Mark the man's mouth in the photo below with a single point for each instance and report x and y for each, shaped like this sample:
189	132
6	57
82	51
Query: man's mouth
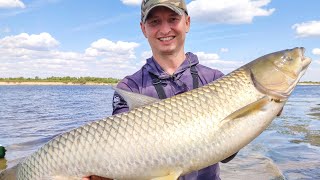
166	38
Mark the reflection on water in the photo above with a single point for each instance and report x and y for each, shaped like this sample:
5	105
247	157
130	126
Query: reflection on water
289	149
315	112
301	119
312	137
253	166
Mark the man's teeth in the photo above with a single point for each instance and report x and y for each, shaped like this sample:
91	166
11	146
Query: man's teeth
166	38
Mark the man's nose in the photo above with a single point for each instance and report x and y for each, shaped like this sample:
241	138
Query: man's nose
165	28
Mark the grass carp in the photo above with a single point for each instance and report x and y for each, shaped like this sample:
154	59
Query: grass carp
168	138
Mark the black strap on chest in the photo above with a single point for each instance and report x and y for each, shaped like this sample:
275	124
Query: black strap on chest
195	79
158	84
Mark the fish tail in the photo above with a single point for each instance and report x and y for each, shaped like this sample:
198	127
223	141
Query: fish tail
9	174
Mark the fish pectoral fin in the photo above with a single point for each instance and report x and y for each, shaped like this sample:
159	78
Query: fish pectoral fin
135	100
245	111
174	175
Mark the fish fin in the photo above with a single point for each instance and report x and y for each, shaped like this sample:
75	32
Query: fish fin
9	174
255	106
135	100
174	175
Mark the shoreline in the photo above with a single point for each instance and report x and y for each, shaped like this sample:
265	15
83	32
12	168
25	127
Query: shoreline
53	84
308	84
90	84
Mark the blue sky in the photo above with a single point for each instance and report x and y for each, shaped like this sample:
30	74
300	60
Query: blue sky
102	38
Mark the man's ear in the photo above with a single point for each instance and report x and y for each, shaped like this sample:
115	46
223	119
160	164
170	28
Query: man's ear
188	21
143	29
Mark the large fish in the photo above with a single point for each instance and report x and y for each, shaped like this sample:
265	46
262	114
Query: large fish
172	137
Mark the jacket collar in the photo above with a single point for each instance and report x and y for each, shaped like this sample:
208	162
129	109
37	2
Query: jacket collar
153	67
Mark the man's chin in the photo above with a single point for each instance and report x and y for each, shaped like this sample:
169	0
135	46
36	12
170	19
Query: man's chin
167	50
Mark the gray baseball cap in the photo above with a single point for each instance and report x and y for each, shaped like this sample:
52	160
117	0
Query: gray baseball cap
178	6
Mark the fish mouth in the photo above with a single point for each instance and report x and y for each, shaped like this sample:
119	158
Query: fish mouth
306	61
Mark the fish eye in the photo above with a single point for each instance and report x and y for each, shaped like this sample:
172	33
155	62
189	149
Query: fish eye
286	58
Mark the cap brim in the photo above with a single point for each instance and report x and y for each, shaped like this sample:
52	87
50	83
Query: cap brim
172	7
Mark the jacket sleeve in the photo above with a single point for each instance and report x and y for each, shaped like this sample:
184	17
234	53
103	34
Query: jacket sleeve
217	75
229	158
119	104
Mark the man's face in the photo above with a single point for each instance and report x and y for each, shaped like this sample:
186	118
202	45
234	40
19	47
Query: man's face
166	30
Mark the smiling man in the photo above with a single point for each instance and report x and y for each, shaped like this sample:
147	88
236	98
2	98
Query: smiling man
170	70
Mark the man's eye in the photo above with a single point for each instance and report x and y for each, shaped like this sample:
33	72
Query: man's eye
174	19
154	22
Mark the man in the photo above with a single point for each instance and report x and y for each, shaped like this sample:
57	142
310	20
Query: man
170	71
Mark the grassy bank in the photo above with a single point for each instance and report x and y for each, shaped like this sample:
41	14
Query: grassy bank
308	83
78	81
58	80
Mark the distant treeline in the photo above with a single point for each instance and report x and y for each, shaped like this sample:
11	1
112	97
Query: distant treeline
309	82
67	79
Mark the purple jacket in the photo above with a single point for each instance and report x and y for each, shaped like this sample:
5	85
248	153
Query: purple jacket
181	81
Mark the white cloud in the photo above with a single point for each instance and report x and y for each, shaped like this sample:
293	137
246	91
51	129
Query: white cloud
38	55
43	41
213	60
316	51
307	29
144	56
207	57
131	2
105	47
228	11
224	50
11	4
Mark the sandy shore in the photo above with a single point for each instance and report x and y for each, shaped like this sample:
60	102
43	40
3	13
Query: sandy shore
49	83
309	84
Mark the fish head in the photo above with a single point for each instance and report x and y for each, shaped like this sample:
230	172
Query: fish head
278	73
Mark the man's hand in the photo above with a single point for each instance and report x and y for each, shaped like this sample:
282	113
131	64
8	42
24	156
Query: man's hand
229	158
280	112
95	178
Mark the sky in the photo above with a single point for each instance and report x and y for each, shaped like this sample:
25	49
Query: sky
102	38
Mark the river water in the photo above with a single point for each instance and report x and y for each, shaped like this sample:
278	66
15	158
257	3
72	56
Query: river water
289	149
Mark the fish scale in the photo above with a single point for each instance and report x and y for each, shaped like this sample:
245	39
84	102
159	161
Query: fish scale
184	133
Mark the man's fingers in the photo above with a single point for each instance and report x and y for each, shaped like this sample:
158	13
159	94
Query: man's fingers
280	112
95	178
